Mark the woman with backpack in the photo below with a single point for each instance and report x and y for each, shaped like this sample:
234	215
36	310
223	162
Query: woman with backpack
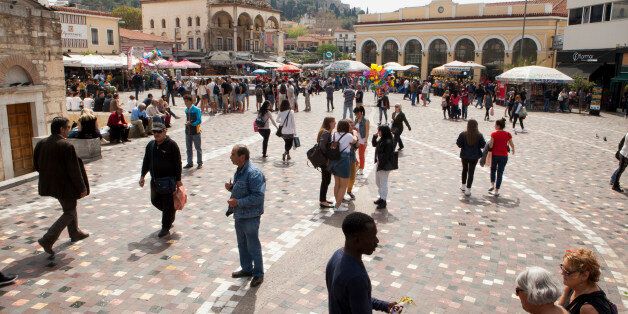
287	126
259	96
384	158
340	164
263	127
518	112
471	142
324	138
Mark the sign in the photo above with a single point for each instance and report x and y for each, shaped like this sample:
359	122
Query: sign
596	100
329	54
579	57
584	56
73	31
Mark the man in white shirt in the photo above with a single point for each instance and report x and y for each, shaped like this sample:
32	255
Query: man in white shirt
622	156
75	102
131	103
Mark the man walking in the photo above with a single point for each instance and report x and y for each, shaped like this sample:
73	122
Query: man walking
62	176
329	89
348	283
138	84
163	159
246	203
170	90
349	95
192	132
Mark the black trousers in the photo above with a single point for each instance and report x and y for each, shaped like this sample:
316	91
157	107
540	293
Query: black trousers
468	170
514	121
623	163
397	139
118	133
487	115
265	133
165	203
288	141
68	219
325	181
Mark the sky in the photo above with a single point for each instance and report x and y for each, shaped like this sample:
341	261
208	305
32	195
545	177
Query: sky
380	6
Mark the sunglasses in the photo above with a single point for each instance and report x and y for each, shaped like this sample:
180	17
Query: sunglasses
518	290
565	271
158	131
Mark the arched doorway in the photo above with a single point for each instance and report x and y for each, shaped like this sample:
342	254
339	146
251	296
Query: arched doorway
390	52
245	24
369	52
413	53
221	32
493	57
464	50
529	52
438	54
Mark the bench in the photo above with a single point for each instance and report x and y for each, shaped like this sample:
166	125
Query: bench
87	149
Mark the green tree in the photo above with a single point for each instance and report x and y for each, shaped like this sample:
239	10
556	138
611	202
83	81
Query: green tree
296	31
322	49
132	17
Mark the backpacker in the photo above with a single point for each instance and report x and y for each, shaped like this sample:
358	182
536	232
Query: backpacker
333	150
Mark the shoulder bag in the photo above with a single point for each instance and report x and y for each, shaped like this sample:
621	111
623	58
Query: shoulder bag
164	185
280	128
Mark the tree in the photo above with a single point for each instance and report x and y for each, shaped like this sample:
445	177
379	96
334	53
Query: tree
296	31
322	49
132	17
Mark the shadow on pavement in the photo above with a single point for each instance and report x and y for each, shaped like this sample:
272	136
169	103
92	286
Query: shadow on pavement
383	216
151	245
247	303
38	264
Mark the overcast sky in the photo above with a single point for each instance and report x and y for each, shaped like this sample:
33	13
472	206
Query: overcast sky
376	6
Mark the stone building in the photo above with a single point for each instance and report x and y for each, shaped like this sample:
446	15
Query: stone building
88	31
248	29
31	81
442	31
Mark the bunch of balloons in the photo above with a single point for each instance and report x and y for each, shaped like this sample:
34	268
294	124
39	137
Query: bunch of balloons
378	76
152	55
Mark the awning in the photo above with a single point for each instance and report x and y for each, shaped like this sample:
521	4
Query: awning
621	78
262	64
274	64
582	70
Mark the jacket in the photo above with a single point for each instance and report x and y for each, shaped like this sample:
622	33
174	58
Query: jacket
192	115
249	186
116	119
163	160
61	172
384	151
398	120
470	151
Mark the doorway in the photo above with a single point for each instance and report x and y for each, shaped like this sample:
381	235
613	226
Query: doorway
21	137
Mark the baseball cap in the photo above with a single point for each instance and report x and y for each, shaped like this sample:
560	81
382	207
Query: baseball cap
158	124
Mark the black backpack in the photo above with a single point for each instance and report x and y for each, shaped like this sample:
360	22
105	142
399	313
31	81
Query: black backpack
333	149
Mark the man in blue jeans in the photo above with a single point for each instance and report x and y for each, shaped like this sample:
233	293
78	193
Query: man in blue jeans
192	132
247	206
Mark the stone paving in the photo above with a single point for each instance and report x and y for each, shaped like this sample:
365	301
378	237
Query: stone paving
450	253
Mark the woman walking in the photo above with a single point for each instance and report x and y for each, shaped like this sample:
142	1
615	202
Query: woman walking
384	156
471	142
398	119
445	104
288	127
500	141
518	113
488	103
259	96
341	167
264	116
324	138
362	125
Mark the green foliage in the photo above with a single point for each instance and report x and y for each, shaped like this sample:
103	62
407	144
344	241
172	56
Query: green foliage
322	49
131	16
295	9
580	82
108	5
296	31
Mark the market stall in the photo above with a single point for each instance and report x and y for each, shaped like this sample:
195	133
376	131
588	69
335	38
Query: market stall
533	78
346	67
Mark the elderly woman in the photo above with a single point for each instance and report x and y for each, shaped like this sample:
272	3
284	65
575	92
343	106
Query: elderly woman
537	291
582	295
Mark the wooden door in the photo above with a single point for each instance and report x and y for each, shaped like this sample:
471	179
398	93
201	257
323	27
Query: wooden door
21	134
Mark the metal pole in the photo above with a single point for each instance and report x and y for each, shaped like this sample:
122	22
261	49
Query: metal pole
525	11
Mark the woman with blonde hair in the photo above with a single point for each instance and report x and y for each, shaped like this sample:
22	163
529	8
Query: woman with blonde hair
88	126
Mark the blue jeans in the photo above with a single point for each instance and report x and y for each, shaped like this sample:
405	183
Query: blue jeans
383	111
249	247
345	109
498	164
546	105
170	95
413	99
196	139
623	163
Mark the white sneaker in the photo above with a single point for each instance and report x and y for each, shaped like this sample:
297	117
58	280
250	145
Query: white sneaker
467	192
342	208
463	188
495	192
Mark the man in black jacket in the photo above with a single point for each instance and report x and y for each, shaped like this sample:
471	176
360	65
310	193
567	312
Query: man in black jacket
163	159
62	176
398	119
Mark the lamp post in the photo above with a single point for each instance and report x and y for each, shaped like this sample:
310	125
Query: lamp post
523	33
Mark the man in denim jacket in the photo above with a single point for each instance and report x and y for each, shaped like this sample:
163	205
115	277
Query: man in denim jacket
247	205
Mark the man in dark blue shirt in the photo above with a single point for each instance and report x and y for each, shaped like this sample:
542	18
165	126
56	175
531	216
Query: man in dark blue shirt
348	283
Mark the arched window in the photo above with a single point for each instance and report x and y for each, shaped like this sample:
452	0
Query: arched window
390	52
529	52
438	54
413	53
369	53
465	50
152	23
189	21
493	57
198	21
177	22
198	44
163	23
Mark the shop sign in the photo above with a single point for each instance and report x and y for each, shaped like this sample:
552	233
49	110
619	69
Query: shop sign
583	56
73	31
596	99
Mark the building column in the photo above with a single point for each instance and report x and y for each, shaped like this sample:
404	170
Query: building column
424	61
379	58
450	56
280	43
477	72
402	57
235	38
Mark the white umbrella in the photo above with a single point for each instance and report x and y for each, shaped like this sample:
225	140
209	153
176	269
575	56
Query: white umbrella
462	66
347	66
402	68
533	74
71	62
98	62
391	65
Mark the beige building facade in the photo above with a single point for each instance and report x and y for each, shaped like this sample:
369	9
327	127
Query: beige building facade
205	26
444	31
86	31
31	81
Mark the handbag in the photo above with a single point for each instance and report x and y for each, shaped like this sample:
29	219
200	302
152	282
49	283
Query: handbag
523	112
316	157
164	185
297	142
280	128
492	111
180	198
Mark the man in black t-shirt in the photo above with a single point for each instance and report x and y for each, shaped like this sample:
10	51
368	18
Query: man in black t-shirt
226	93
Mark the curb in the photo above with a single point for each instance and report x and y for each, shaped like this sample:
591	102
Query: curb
7	184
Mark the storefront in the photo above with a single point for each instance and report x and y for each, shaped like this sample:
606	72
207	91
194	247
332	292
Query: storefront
598	66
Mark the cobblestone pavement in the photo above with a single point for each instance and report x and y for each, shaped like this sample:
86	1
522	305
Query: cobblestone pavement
450	253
